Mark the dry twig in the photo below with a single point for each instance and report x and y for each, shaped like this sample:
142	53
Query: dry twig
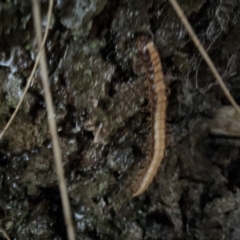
32	73
52	124
204	54
4	234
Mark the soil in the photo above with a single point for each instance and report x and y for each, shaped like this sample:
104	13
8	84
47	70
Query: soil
103	122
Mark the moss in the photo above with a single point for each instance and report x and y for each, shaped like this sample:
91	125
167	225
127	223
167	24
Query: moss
78	15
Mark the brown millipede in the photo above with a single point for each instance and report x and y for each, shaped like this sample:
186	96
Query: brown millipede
158	101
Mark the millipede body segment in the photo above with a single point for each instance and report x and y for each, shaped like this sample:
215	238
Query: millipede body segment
158	101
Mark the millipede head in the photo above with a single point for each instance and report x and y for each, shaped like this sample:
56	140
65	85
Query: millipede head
141	43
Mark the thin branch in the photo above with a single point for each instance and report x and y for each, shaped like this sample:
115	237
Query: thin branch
32	73
52	125
4	233
204	54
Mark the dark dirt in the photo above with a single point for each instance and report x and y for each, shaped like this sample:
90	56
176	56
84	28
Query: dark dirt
103	125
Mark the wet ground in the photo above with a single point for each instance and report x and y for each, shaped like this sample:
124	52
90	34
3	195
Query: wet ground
103	124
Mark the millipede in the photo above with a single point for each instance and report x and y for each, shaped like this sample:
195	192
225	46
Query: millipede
158	103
